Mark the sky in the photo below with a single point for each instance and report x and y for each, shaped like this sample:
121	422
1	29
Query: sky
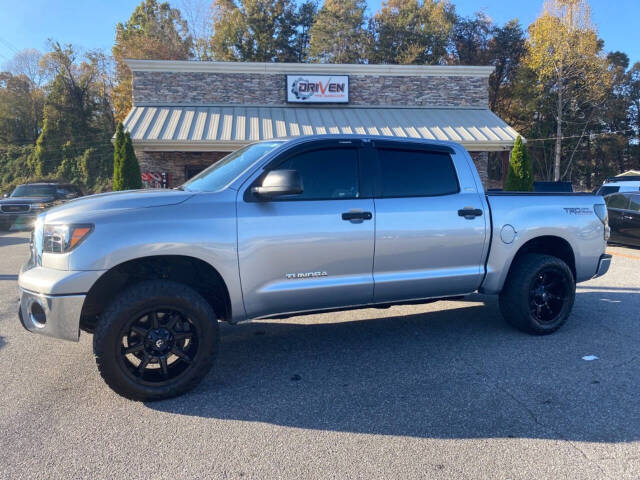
91	23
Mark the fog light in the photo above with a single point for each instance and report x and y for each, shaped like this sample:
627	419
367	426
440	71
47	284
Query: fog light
37	315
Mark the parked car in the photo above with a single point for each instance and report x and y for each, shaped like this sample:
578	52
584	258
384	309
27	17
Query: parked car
627	183
624	217
19	209
280	228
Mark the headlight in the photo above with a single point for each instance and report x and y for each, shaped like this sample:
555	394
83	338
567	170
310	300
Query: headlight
40	206
64	238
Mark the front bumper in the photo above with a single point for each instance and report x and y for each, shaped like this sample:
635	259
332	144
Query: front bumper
52	315
18	221
603	265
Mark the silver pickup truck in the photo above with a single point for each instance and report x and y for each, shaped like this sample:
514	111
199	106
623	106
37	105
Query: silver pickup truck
280	228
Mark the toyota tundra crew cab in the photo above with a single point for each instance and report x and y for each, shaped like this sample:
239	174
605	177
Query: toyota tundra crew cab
280	228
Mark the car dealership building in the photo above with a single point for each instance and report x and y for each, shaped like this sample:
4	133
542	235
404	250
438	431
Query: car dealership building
187	115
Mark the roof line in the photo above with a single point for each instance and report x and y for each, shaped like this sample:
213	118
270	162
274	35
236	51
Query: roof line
307	68
303	106
229	146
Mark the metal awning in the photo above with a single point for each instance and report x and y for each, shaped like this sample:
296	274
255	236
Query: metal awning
225	128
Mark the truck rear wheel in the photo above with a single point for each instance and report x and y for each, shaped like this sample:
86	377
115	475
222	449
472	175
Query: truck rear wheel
156	340
538	295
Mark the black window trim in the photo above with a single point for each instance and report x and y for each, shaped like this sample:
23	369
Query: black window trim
355	144
390	145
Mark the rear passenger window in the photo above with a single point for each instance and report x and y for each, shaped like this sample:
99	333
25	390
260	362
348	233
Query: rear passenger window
617	201
634	203
412	173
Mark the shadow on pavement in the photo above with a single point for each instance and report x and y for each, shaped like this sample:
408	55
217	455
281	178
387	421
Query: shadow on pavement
455	373
6	241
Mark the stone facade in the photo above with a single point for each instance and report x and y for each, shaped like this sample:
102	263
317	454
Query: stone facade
269	89
175	163
481	160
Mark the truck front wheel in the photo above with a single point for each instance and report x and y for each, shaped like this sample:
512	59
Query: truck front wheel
538	294
156	340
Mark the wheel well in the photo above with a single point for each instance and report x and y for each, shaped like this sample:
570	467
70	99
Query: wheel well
190	271
548	245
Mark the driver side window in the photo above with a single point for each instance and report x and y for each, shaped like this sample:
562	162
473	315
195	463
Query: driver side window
329	173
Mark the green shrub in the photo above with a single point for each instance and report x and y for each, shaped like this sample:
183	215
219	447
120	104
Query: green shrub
520	174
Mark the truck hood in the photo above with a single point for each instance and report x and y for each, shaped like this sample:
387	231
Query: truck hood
85	207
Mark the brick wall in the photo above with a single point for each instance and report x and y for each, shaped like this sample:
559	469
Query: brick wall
269	89
481	159
174	163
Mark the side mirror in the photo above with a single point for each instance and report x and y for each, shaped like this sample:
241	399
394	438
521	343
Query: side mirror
279	182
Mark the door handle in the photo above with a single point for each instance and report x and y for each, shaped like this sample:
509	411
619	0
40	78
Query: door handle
469	213
357	216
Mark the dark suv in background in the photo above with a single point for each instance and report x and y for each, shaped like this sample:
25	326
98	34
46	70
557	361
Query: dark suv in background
624	217
18	210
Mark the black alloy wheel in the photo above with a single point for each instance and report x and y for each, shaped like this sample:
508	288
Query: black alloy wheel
547	294
538	294
158	346
156	340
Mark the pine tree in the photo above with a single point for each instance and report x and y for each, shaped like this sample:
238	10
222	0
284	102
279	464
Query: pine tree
118	155
131	178
411	32
339	34
254	30
520	174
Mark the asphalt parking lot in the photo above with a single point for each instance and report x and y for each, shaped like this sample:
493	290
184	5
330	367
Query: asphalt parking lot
445	390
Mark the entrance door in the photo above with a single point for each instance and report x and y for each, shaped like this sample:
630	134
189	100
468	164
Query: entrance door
313	250
425	244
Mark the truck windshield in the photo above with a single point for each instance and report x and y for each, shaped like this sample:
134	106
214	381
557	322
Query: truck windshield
34	191
229	168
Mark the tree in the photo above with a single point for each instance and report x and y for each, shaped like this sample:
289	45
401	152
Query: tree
254	30
118	157
411	32
305	18
338	34
77	113
154	31
471	37
633	92
27	63
199	17
131	177
21	104
520	174
507	47
565	53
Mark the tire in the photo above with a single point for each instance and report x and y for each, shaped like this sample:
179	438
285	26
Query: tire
538	294
156	340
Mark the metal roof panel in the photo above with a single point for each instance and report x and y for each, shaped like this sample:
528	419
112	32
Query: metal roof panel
211	124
